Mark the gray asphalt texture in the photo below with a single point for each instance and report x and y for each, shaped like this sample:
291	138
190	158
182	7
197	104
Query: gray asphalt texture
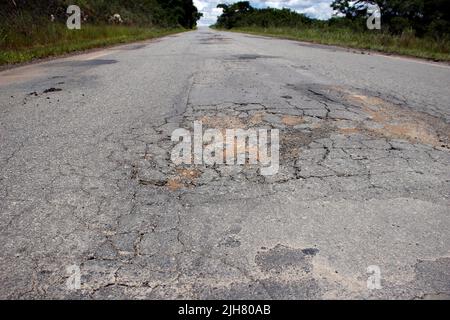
86	177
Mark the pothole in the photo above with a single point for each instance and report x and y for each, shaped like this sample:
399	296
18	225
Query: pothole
402	123
390	119
250	57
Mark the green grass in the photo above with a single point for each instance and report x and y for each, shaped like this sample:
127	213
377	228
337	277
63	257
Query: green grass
406	44
18	46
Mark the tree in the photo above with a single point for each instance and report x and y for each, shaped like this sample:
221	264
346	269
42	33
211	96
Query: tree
164	13
232	13
242	14
422	16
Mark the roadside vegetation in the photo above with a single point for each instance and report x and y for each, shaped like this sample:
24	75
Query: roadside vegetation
37	28
419	28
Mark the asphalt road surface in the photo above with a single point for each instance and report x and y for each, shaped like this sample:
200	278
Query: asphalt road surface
87	183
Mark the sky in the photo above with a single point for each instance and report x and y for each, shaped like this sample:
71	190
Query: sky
319	9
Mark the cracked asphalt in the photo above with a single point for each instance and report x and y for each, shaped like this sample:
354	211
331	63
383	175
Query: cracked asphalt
86	177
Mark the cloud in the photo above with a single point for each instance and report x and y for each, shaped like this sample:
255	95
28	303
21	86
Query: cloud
209	10
319	9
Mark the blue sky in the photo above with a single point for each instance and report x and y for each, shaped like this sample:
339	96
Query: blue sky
314	8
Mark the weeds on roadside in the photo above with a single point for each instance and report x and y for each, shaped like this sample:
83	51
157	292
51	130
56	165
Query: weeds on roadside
406	43
19	44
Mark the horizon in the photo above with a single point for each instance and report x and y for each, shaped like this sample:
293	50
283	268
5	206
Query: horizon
319	9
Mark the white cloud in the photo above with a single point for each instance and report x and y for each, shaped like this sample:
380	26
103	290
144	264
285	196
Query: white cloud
319	9
209	10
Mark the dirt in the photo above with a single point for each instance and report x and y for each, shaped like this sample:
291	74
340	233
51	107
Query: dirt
174	184
349	131
387	117
256	119
292	142
403	123
223	122
292	120
190	174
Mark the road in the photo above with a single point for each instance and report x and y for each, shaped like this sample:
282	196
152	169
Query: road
87	180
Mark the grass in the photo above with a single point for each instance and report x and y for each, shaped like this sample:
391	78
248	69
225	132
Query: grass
54	39
405	44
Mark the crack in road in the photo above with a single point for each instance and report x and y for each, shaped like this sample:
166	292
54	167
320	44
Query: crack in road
363	179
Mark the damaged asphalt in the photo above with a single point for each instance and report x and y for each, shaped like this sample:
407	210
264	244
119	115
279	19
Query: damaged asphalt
86	177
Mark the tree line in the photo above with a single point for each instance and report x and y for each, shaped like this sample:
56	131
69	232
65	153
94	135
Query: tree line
421	17
161	13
